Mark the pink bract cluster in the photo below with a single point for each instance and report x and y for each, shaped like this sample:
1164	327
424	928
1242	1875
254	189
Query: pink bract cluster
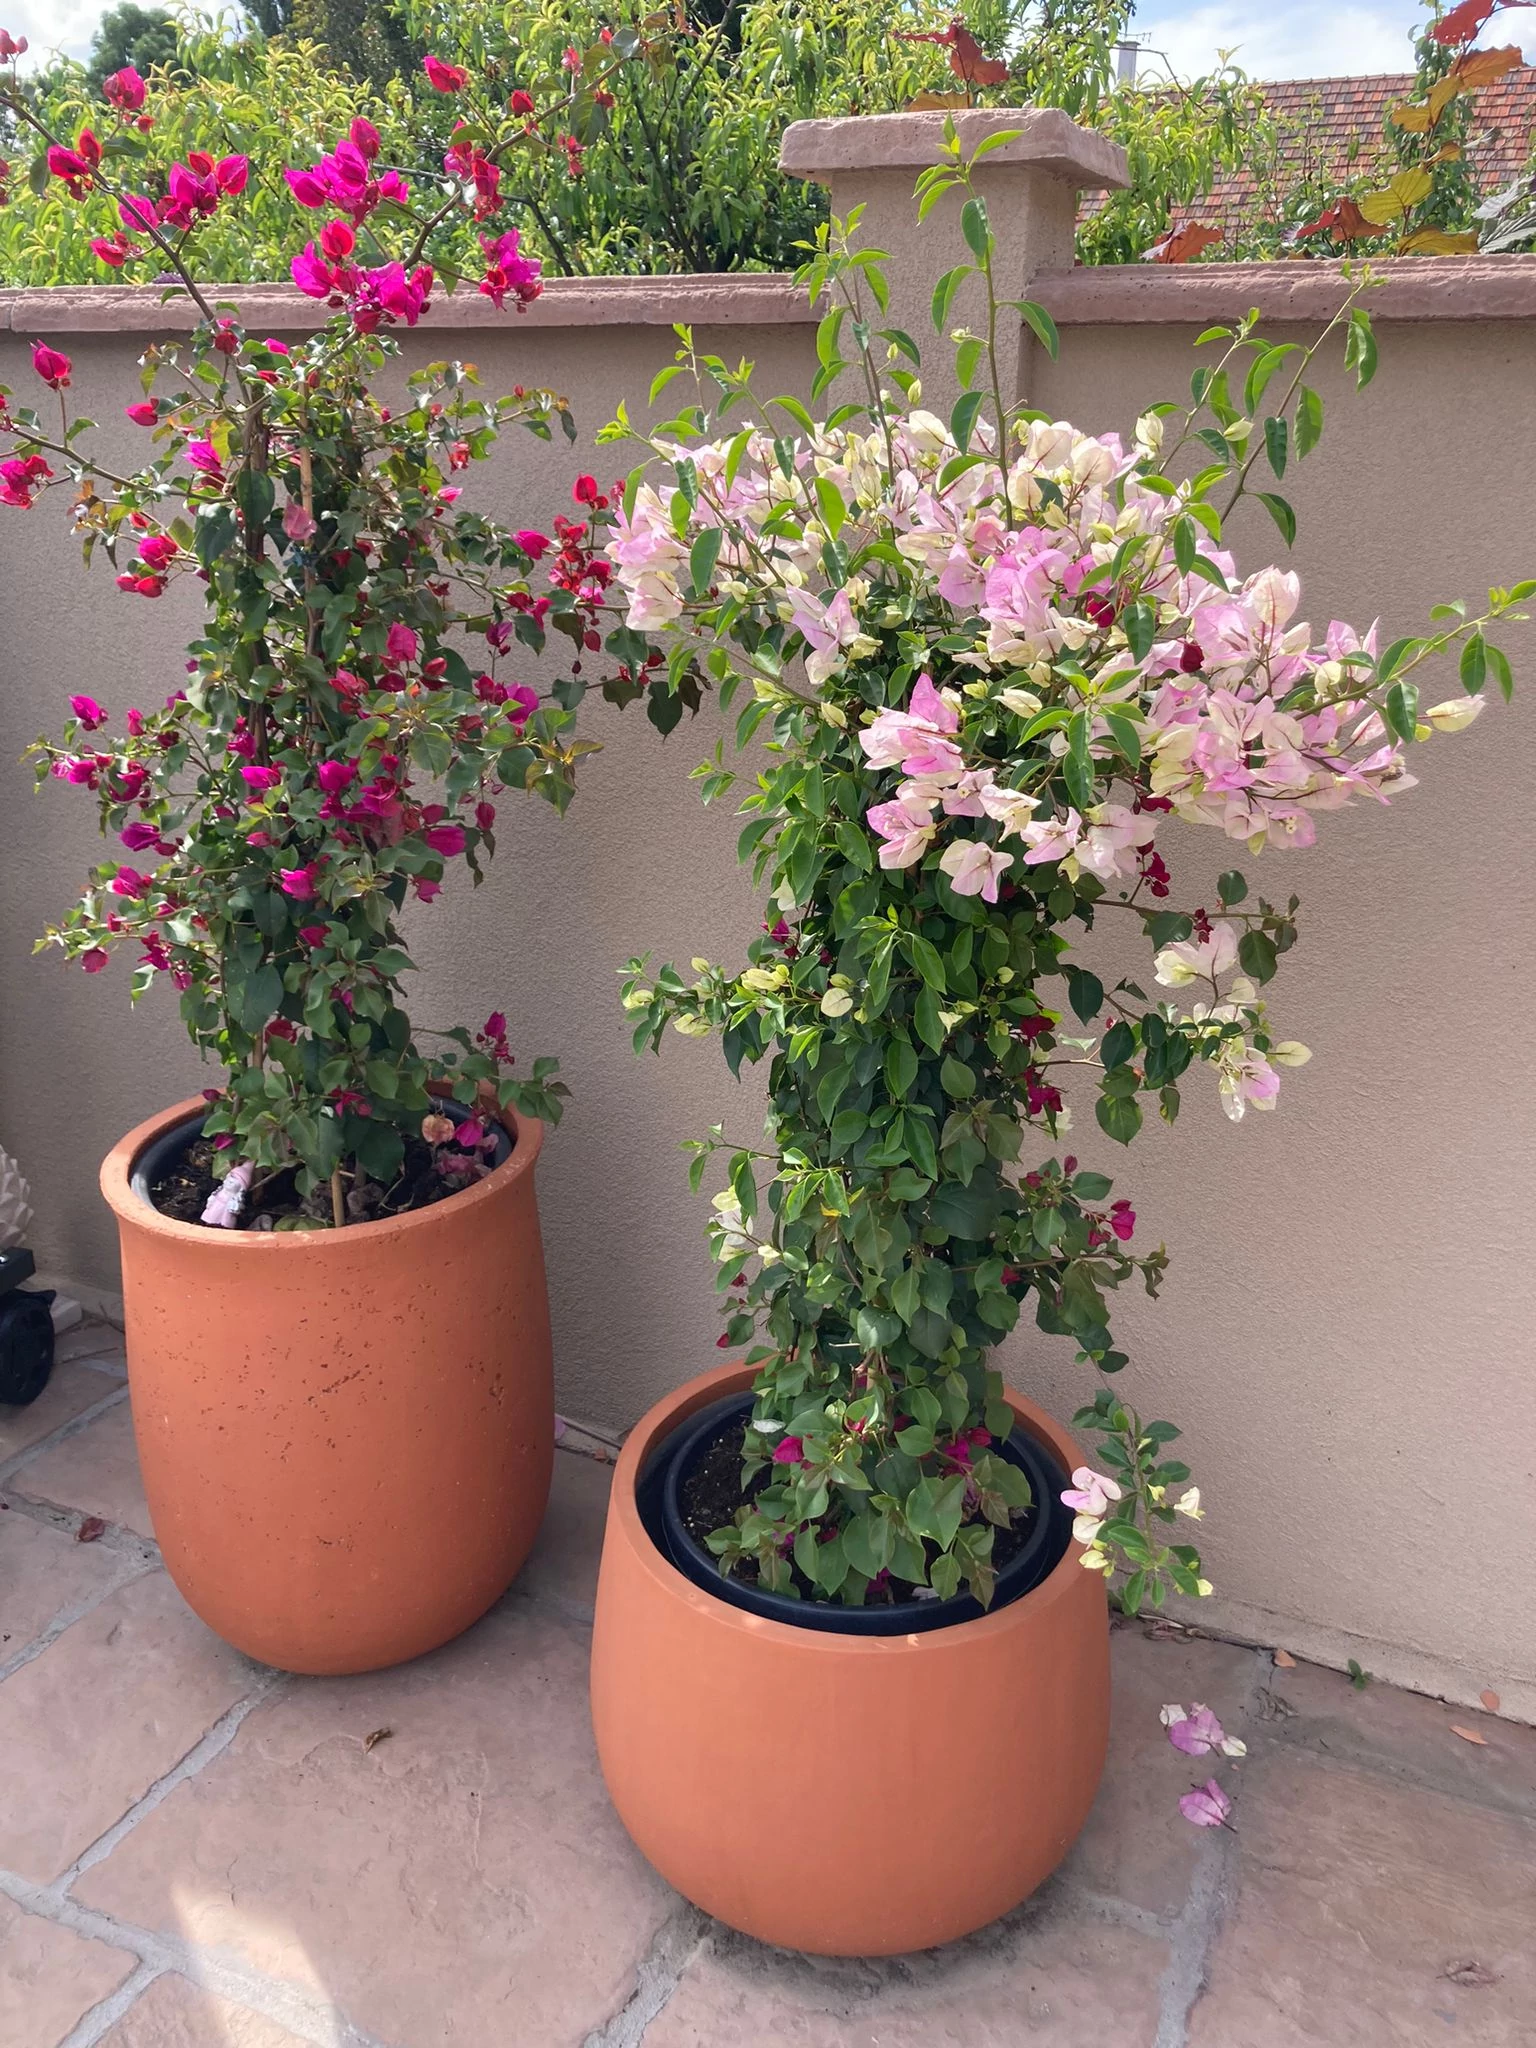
349	182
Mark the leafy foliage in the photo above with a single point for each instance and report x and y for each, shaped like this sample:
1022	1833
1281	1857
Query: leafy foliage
345	729
1054	648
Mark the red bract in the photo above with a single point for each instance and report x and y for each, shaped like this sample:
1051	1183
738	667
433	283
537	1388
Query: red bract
125	90
88	711
21	477
11	46
51	366
508	271
113	250
521	103
444	77
75	167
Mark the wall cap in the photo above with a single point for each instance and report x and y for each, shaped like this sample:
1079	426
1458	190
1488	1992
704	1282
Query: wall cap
1047	140
729	300
1412	288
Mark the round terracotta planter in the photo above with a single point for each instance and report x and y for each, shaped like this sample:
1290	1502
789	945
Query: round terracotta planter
850	1796
346	1436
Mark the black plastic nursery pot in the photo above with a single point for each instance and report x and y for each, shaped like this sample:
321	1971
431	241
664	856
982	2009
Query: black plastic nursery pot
1045	1537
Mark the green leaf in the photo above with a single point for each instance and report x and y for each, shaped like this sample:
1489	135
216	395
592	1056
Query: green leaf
1498	661
1231	886
1276	442
962	420
973	225
1119	1116
1126	736
925	1015
900	1067
702	557
934	1508
1077	767
944	294
900	339
1140	623
1360	347
926	959
1040	325
1281	514
1474	664
1309	421
1085	992
1119	1044
1256	955
1402	710
1392	659
957	1080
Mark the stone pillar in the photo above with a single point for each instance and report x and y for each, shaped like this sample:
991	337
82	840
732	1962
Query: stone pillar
1030	186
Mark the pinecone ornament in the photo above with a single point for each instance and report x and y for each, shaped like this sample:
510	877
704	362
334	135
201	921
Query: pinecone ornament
15	1203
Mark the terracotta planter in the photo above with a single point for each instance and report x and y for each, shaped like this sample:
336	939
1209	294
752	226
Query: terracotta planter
346	1436
843	1795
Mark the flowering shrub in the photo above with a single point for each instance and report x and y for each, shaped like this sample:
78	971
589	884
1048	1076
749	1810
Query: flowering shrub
348	723
1026	653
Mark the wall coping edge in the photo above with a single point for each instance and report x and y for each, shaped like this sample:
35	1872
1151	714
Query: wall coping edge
1048	140
730	299
1411	288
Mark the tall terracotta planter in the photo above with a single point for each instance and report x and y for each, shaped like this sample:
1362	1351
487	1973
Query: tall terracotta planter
844	1795
346	1436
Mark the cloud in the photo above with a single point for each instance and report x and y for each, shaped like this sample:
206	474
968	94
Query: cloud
1308	41
66	26
1312	40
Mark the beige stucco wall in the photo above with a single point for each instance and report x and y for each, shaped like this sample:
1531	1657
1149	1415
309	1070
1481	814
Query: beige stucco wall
1345	1331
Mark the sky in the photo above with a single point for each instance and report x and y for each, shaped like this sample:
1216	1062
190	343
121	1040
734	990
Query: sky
1304	39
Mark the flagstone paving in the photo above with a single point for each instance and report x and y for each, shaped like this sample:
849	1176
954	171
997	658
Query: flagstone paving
197	1852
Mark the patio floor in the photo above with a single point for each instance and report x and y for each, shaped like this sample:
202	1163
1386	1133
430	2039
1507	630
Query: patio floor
196	1852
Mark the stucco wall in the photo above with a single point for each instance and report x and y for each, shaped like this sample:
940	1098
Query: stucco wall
1345	1331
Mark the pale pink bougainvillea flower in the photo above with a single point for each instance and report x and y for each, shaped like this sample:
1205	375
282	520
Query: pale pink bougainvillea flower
1207	1806
1090	1492
974	868
906	830
1196	1731
917	738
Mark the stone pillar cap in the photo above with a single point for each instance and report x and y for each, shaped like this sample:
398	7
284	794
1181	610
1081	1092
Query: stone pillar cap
1046	139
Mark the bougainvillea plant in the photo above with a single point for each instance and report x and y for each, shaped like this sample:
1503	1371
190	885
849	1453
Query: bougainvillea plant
346	724
994	659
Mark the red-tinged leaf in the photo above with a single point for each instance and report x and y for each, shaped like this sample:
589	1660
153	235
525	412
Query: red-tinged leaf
1344	222
1463	22
1490	1700
91	1527
1182	244
1475	68
1285	1660
1469	1735
937	102
970	62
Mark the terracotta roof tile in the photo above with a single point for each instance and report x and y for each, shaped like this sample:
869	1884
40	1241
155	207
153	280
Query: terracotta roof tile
1337	128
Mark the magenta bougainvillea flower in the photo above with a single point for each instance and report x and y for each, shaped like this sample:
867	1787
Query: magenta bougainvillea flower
52	366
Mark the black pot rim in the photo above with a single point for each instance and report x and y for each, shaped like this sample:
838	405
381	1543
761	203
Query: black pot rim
657	1500
152	1159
